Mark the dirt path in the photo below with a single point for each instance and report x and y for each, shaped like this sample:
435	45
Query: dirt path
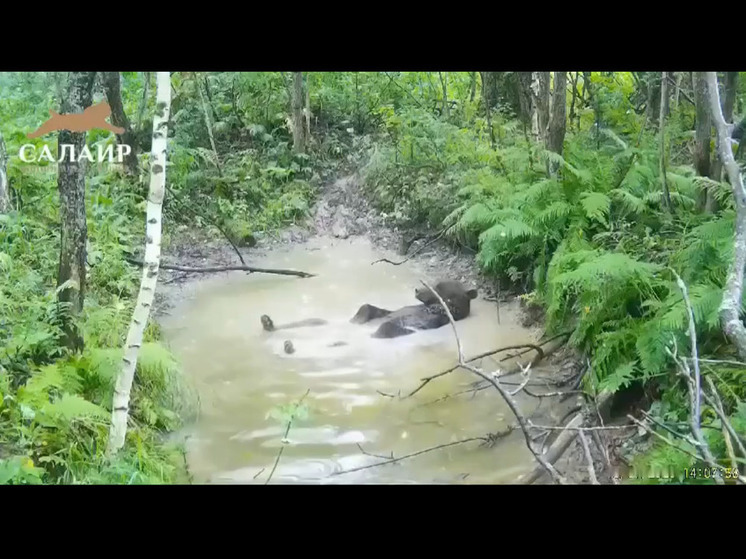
342	211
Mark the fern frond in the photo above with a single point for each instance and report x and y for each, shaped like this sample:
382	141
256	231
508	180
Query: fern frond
596	205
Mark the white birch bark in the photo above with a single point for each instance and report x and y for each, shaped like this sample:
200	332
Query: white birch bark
120	408
4	196
731	304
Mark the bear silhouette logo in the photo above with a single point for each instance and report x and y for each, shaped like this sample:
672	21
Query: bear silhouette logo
93	117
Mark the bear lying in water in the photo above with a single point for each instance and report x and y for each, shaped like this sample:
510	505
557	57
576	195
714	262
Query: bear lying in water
426	316
407	320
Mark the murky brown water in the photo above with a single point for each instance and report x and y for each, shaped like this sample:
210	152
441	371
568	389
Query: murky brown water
241	373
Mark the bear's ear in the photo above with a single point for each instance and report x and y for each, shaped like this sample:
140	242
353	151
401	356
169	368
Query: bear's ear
472	293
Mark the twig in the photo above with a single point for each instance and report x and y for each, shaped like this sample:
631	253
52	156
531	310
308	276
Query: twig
589	458
362	450
570	427
664	439
512	404
209	220
717	405
393	460
210	269
693	338
426	380
443	232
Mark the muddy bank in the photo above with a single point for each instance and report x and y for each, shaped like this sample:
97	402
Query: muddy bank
341	214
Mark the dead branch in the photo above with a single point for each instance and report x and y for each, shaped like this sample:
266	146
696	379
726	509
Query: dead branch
693	339
412	455
589	458
210	269
717	405
662	438
426	380
730	307
209	220
693	380
563	440
423	247
512	404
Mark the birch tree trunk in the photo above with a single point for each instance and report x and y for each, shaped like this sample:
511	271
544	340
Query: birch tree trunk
120	407
444	87
71	274
119	118
4	196
731	304
299	144
716	169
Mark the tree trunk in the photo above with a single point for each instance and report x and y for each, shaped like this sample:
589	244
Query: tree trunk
119	118
206	112
557	121
488	111
544	101
654	96
472	86
731	89
662	143
73	226
677	90
702	134
144	102
4	196
535	101
121	400
574	97
299	143
444	88
732	295
307	108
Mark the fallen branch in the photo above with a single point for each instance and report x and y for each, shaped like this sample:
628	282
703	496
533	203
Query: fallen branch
563	441
423	247
512	404
589	458
210	269
393	460
426	380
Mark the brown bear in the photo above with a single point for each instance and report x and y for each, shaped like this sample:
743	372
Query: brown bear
426	316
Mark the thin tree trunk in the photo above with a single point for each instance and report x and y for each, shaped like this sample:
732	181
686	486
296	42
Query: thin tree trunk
662	143
121	401
677	90
444	87
558	119
71	276
545	96
702	134
472	86
535	96
4	196
307	109
488	110
732	295
731	89
299	144
574	97
144	102
111	83
208	123
654	96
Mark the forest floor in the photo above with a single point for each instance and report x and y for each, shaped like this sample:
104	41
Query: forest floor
342	211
